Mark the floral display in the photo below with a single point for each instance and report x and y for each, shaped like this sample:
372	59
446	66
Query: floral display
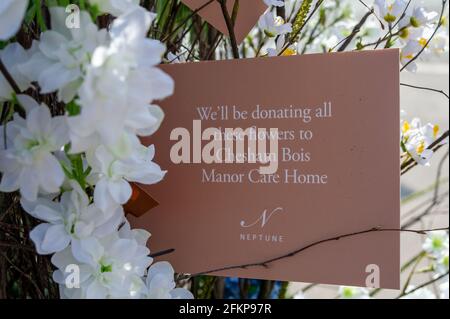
78	98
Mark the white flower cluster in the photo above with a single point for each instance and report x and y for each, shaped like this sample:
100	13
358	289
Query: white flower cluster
415	26
73	170
409	26
416	139
273	25
437	247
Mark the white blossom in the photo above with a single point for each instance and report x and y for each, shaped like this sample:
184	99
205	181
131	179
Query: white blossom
113	77
27	162
12	13
120	83
390	10
160	283
416	138
12	56
276	3
434	45
70	220
116	166
273	26
422	17
408	53
115	7
437	246
442	265
280	46
436	242
62	55
110	267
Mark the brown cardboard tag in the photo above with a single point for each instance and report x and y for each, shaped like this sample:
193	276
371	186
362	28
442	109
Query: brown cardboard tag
338	173
140	202
247	17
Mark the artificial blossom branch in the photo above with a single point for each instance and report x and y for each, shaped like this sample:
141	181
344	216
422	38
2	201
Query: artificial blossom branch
439	24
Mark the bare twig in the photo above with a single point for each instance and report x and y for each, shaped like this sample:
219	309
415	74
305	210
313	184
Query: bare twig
162	253
355	31
17	246
425	88
27	276
413	271
432	281
389	34
375	15
230	26
265	263
196	11
435	200
9	78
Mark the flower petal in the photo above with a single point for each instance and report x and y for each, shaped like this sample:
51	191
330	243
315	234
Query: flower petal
55	239
11	15
120	191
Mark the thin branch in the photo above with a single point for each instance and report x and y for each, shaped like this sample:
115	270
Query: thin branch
216	42
413	271
434	280
423	204
186	20
195	40
389	35
17	246
15	200
265	263
414	163
376	16
9	78
425	88
162	253
436	198
30	278
355	31
230	26
403	14
392	27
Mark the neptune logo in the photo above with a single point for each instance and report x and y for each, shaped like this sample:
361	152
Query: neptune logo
263	219
257	234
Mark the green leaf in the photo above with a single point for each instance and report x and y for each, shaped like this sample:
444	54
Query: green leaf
40	16
31	13
73	108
